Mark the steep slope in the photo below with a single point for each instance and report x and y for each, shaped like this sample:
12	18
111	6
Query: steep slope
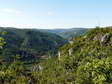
99	37
86	60
74	32
30	44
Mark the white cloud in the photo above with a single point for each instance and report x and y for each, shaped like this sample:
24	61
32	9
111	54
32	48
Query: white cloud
11	11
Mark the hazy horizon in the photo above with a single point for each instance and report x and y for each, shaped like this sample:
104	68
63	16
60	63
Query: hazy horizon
54	14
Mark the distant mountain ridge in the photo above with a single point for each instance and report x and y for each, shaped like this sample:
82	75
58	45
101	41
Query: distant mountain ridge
67	33
64	33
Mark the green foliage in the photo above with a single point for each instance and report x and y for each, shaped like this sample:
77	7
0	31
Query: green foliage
90	63
98	71
4	33
75	32
28	43
13	73
67	33
2	42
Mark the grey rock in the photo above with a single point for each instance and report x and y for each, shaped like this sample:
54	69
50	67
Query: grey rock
105	38
59	55
70	51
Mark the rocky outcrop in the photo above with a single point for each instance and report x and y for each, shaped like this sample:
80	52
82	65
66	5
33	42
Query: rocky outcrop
70	51
105	38
37	68
71	42
59	55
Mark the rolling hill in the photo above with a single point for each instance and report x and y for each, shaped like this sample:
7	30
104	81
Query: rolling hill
29	44
67	33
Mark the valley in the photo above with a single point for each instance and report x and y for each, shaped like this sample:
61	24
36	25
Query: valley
42	57
55	42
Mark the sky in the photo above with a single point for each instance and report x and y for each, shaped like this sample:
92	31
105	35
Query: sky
55	13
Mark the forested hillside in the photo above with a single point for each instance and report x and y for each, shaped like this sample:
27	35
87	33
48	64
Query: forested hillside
67	33
85	60
74	32
31	45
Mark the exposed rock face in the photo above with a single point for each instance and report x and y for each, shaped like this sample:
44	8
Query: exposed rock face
97	38
70	51
37	68
71	42
59	55
105	38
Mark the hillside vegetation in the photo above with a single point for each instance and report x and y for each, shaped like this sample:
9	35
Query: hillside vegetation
31	45
89	63
74	32
86	60
67	33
